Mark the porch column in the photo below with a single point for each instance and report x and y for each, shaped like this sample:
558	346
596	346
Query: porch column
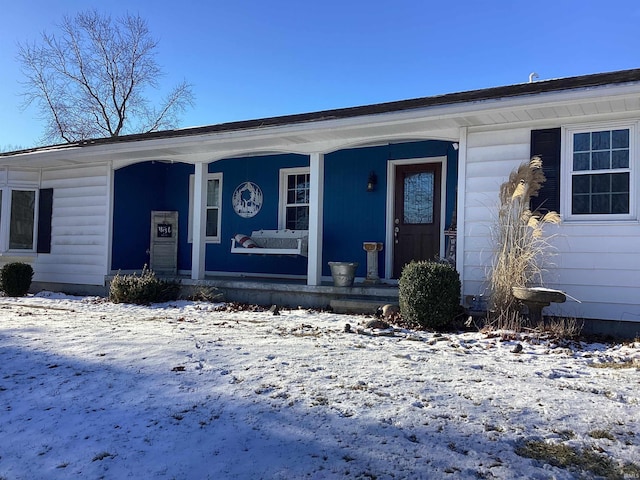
199	194
462	193
316	198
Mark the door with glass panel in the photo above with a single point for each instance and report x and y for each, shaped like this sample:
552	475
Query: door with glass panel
416	222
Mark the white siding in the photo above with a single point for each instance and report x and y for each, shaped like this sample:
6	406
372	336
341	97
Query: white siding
490	158
23	177
598	264
79	230
19	177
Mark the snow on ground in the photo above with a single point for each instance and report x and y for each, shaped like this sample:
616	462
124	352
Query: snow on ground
90	389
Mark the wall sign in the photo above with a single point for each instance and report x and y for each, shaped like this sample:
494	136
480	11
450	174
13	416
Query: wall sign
165	230
247	199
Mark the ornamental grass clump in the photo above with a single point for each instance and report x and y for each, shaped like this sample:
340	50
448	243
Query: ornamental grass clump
522	247
142	289
429	295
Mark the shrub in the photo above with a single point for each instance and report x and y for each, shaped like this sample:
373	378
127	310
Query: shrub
15	279
142	289
429	295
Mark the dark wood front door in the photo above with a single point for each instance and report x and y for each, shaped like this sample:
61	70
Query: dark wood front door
416	221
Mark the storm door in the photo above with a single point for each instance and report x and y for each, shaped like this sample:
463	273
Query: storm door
416	222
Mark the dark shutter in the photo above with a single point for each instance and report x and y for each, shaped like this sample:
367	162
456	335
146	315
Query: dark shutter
546	144
45	212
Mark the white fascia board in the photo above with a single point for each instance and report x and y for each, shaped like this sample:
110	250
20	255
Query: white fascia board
418	116
320	135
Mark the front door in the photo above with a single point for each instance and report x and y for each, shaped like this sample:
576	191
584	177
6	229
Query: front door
416	221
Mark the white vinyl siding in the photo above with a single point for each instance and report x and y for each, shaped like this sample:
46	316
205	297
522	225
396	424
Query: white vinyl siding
595	262
490	158
79	229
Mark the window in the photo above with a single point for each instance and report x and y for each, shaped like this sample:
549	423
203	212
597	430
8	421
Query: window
418	198
17	219
600	169
22	219
213	202
212	230
294	198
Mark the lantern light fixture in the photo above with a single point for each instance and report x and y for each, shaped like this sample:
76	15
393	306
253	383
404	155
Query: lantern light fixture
372	181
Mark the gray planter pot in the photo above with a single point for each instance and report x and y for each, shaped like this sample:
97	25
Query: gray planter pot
343	273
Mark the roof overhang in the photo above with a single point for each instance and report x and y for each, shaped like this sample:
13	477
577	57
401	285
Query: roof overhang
324	133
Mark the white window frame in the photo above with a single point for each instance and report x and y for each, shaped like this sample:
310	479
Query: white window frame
282	204
210	176
568	172
5	220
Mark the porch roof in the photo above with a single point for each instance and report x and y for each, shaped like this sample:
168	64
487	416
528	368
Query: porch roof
438	116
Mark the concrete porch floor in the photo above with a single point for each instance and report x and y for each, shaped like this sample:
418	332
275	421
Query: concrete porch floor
360	298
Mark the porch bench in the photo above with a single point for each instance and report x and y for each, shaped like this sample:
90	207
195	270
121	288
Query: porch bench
274	242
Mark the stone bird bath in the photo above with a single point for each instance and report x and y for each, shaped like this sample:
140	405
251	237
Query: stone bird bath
536	298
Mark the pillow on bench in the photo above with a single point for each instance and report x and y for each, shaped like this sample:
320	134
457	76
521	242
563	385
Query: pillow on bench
245	241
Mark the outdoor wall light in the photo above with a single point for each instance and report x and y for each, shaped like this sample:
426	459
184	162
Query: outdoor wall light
372	181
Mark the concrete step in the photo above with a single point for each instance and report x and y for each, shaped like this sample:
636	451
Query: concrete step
357	306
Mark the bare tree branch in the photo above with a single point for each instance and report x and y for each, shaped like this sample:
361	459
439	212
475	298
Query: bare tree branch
91	80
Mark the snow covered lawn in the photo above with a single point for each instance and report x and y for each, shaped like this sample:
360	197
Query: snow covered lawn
89	389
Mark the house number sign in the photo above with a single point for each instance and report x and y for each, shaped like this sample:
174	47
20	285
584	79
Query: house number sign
247	199
165	230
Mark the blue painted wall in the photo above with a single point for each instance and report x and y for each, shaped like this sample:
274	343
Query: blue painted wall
264	171
143	187
351	214
139	189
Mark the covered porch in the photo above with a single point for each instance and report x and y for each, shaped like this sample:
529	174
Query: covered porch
412	206
342	212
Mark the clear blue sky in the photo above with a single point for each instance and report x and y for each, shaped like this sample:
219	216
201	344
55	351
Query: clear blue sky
258	58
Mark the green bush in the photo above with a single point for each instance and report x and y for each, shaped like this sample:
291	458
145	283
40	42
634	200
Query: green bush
142	289
429	295
15	279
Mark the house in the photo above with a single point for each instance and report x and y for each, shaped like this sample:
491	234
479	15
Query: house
404	174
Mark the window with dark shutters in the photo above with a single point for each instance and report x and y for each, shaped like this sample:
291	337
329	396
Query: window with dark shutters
546	144
45	212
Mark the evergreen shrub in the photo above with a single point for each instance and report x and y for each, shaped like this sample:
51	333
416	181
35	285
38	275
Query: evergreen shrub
15	279
429	295
142	289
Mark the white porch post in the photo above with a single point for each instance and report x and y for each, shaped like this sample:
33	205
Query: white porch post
462	192
199	193
316	198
